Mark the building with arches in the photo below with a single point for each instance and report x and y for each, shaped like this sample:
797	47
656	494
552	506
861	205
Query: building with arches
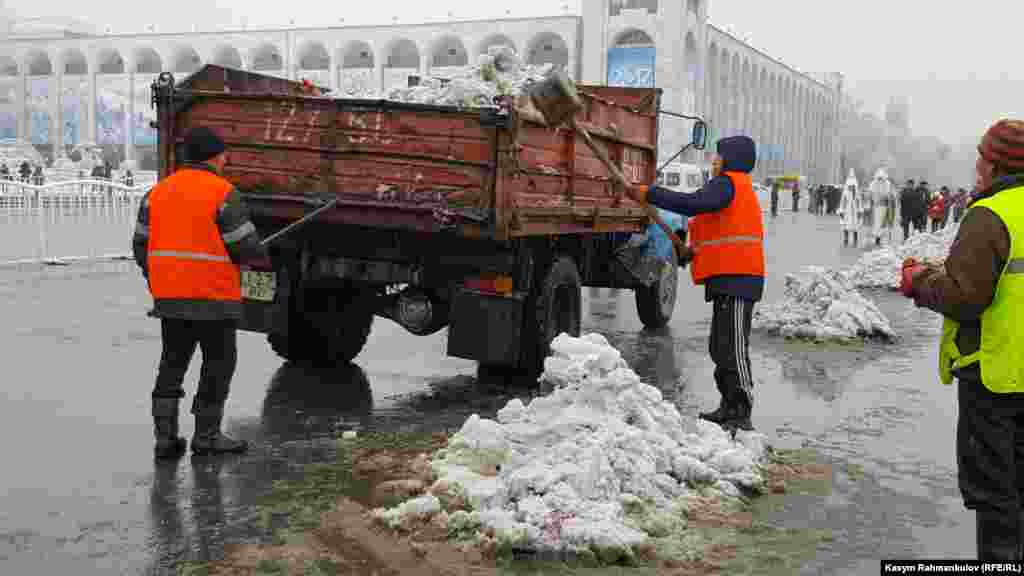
61	90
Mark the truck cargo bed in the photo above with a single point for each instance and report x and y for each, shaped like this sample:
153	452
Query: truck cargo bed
496	173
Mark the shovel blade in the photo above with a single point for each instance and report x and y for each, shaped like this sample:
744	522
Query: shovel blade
556	98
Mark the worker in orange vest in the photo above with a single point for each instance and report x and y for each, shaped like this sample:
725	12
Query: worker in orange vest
727	237
192	232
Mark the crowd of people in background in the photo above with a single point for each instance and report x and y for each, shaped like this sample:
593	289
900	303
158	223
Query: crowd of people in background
879	207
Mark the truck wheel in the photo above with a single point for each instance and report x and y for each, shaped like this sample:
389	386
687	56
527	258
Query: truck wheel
332	328
557	308
655	303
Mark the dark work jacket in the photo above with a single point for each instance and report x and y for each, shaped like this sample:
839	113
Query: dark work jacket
717	194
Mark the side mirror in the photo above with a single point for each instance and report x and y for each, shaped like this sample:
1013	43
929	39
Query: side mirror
699	137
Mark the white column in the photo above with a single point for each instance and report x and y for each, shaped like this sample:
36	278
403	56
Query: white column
129	138
24	129
90	119
56	110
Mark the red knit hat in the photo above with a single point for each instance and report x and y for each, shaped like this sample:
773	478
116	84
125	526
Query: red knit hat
1003	145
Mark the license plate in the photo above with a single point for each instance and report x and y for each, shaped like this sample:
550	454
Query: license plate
258	285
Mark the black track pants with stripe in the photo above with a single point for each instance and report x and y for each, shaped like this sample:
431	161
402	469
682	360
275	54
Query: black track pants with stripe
729	344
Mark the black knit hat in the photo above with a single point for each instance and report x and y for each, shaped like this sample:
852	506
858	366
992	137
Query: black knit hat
201	144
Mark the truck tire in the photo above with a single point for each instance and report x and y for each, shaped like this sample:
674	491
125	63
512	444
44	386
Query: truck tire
332	328
655	303
556	307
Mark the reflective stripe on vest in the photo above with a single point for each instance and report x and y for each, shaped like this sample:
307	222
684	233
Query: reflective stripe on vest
729	242
188	259
190	256
1000	355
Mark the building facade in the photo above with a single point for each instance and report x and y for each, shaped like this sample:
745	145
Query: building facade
63	90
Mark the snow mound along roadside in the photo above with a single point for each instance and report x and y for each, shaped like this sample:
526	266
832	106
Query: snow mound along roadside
881	268
568	472
822	304
498	73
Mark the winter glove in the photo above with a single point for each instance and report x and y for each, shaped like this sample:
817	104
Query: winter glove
911	269
638	193
686	256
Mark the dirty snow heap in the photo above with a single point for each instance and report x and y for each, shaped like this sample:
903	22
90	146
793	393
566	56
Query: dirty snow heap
568	471
498	73
881	268
822	304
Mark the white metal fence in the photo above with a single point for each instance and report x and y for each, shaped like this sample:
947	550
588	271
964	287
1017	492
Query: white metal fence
67	221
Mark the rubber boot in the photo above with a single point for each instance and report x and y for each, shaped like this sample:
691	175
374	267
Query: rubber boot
740	418
998	536
878	240
165	427
846	238
208	438
726	411
1020	535
856	240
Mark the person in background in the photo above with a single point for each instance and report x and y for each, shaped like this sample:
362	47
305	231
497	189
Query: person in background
776	189
880	192
727	239
947	204
924	201
909	200
129	178
851	209
796	196
979	290
962	197
193	230
936	211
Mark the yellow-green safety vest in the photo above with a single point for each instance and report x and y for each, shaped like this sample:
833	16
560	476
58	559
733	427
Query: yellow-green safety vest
1002	324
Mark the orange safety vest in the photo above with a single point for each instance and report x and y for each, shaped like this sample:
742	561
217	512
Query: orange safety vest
729	242
186	256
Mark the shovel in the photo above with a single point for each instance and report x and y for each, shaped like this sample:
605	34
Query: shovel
557	100
298	223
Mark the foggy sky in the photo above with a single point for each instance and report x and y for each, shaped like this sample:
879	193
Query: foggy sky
953	61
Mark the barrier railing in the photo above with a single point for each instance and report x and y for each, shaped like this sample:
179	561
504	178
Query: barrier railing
66	221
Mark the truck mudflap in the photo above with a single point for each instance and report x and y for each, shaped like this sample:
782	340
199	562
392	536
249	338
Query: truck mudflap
265	300
486	327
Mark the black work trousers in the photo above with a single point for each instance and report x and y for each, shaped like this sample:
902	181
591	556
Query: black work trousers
218	341
990	448
730	348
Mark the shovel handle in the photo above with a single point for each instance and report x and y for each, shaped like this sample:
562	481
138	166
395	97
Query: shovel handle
298	223
621	180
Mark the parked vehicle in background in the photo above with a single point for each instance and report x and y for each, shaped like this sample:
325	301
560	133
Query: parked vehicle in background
686	178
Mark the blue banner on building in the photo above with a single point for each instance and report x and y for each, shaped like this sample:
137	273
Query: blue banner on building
631	66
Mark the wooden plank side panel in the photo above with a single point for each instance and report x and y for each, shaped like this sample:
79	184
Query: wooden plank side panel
381	160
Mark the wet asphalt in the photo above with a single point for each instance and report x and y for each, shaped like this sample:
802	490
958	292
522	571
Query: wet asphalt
80	493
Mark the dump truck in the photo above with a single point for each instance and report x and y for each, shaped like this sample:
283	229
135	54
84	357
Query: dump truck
482	221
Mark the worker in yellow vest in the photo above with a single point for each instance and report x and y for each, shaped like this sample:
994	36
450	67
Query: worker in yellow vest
980	291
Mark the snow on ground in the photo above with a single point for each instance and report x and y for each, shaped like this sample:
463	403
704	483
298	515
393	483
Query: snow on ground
569	471
822	304
499	72
881	268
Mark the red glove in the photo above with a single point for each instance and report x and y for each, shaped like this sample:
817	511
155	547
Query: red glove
911	268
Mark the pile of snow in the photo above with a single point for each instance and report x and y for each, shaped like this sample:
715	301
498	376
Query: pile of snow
568	471
881	268
822	304
500	72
